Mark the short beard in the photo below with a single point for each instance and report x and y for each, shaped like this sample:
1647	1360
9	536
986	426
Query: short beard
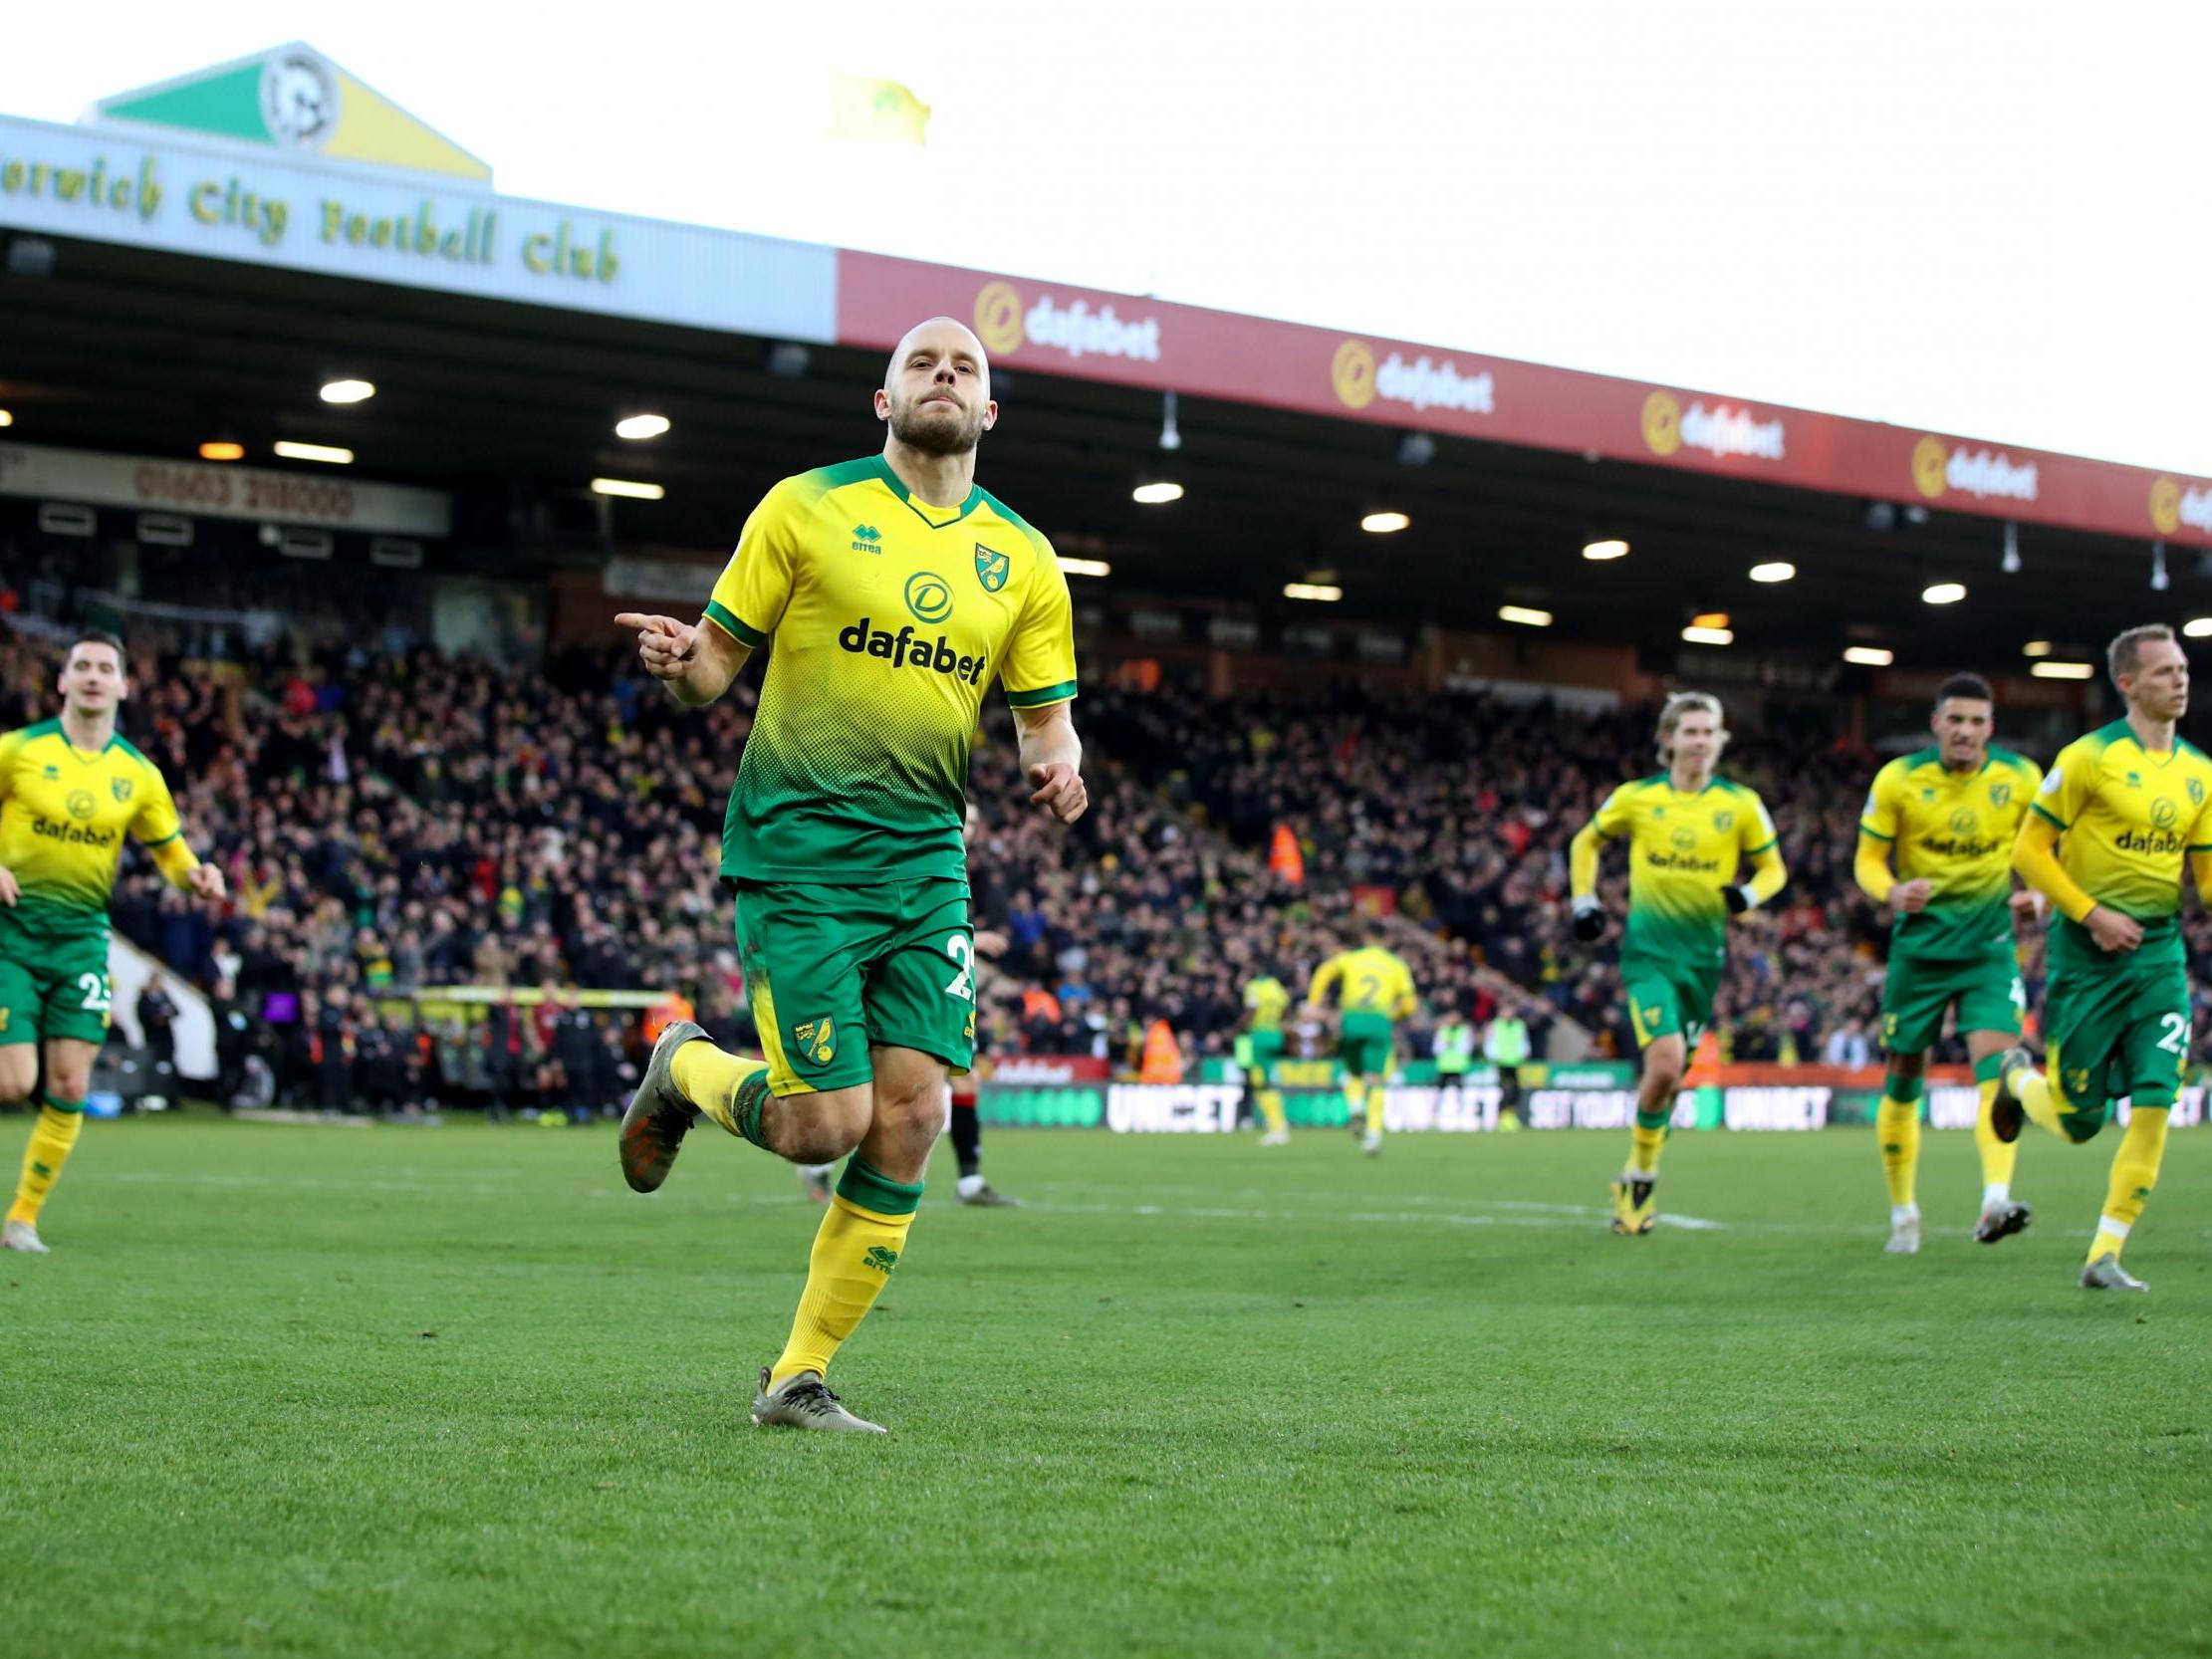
909	428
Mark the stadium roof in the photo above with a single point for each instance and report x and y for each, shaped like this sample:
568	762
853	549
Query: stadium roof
172	310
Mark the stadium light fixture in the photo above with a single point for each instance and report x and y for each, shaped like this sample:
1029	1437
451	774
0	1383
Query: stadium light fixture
1774	570
1869	657
1606	549
639	427
2159	580
1326	592
6	418
2036	648
222	449
329	454
1384	524
1083	567
1171	435
1696	635
347	391
1943	592
628	487
2197	628
1158	495
1526	615
2010	564
2053	670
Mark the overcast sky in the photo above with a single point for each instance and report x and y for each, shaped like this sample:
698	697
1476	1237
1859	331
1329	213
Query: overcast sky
1986	219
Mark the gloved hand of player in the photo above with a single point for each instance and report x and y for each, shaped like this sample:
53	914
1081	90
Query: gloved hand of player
1589	920
1738	899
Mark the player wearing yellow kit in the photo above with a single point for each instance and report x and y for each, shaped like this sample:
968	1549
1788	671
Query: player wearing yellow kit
1688	834
1373	990
897	592
2105	841
1950	814
70	791
1259	1051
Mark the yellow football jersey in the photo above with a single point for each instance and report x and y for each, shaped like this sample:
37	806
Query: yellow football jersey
890	618
2127	817
1683	850
1369	980
1265	998
1955	829
65	814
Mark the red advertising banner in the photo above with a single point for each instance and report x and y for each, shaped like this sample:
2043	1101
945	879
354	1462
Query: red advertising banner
1058	329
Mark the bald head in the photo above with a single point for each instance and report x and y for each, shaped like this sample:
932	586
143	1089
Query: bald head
937	389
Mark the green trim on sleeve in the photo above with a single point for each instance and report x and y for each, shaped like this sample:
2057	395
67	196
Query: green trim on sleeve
164	841
720	616
1059	693
2042	811
1755	852
1874	834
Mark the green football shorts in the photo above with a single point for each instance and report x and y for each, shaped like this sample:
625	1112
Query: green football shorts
1266	1047
1666	999
1363	1042
53	981
2114	1026
829	970
1916	993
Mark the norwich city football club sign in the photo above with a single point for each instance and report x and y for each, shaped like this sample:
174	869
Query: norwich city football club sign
286	159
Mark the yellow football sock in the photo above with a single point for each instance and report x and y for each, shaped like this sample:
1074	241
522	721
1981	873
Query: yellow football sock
1374	1108
52	1136
1356	1098
1645	1141
1897	1132
1999	1157
2135	1173
710	1078
1271	1109
861	1236
2040	1101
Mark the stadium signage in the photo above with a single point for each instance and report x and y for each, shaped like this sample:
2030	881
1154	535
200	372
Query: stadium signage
221	492
298	210
1403	383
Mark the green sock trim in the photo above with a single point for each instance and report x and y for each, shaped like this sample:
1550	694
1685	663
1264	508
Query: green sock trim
59	1104
746	1105
1655	1119
1905	1091
871	1189
1989	1068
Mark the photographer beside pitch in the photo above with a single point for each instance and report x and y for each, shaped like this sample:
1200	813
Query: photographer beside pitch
896	591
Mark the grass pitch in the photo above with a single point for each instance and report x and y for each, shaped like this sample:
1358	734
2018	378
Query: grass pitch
458	1392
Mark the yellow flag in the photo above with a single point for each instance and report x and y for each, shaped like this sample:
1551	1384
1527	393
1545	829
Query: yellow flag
869	112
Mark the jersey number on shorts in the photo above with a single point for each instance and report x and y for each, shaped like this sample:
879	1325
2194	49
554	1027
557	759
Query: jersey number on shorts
962	983
2176	1040
97	995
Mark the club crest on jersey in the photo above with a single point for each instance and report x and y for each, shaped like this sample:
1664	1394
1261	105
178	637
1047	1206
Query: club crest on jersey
817	1040
990	568
120	788
1724	822
2000	795
2196	792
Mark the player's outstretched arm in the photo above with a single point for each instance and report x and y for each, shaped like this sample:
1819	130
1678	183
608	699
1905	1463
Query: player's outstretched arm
694	663
1052	760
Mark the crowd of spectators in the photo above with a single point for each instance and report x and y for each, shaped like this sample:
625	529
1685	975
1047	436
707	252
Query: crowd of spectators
394	820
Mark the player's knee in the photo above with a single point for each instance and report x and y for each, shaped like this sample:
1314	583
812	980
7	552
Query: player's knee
69	1082
1663	1066
821	1128
911	1103
17	1075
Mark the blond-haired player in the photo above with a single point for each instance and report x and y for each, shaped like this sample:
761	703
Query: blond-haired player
2121	811
896	591
1690	834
